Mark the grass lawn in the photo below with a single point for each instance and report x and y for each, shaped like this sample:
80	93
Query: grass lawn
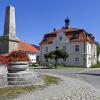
22	89
69	67
51	80
96	66
77	67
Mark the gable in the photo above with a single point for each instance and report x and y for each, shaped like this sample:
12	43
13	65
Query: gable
60	38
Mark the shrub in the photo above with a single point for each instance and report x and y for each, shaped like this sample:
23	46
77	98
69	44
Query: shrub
16	56
96	65
57	54
35	64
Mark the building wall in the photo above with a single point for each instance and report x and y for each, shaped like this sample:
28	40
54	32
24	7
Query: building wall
99	58
33	56
88	55
91	54
94	54
83	57
70	49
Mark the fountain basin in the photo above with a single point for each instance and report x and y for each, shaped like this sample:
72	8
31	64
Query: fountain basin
17	66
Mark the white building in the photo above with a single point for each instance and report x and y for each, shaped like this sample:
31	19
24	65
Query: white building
79	45
99	58
31	50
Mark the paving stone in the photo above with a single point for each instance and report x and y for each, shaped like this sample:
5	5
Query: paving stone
68	89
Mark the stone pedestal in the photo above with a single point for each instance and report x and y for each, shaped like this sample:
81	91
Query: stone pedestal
22	78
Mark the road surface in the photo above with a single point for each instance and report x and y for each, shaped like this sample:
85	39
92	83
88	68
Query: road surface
88	75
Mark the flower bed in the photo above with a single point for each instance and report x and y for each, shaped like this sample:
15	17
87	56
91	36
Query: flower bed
4	60
17	66
17	56
18	61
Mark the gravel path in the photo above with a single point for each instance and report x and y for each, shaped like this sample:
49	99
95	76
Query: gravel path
68	89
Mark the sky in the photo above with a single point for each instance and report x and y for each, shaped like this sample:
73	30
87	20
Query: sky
34	18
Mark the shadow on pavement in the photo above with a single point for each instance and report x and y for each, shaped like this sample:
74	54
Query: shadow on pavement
90	74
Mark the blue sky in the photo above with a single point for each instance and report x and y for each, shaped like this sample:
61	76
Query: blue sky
34	18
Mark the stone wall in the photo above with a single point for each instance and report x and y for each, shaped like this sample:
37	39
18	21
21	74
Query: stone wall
3	75
22	77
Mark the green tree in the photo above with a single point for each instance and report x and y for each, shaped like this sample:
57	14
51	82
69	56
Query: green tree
57	54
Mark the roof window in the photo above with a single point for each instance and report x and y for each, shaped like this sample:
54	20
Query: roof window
76	35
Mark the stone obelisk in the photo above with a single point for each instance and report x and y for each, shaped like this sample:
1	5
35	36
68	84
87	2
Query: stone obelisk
10	23
9	41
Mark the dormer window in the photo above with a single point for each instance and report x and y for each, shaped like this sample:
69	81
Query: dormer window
76	35
86	34
46	39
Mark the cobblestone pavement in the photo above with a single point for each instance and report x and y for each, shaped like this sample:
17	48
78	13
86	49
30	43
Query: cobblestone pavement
68	89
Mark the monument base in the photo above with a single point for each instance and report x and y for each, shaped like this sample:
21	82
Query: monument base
23	78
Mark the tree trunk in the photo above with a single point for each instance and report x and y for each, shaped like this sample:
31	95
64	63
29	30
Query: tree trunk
56	62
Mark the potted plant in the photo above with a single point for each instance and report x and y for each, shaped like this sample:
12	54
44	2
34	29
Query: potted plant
19	61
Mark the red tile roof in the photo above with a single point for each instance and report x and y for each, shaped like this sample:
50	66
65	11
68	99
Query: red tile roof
83	36
27	47
36	46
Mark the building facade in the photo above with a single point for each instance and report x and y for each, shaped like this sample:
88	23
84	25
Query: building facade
79	44
99	58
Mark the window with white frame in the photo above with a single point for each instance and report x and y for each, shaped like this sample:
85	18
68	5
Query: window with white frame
46	59
64	48
64	59
76	35
89	60
46	49
76	48
57	47
76	60
88	48
60	38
